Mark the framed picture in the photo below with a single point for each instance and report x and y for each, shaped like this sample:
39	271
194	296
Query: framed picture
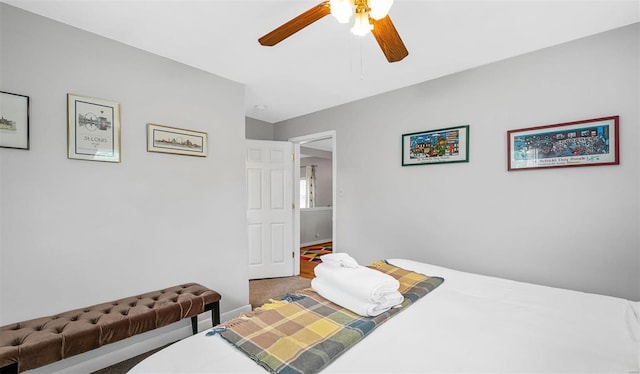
591	142
167	139
14	120
436	146
93	129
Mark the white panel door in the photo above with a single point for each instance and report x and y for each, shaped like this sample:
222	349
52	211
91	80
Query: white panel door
269	168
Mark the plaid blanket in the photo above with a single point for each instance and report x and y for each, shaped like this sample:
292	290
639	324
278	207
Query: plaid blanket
308	333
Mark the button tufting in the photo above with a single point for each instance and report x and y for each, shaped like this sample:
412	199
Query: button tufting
25	333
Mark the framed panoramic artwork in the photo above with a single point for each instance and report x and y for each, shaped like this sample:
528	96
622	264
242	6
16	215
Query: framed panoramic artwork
166	139
591	142
436	146
93	129
14	120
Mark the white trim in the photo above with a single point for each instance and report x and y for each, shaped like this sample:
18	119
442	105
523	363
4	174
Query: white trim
296	209
317	208
317	136
297	141
315	242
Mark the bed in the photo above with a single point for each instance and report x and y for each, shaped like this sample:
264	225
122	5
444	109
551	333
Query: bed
470	323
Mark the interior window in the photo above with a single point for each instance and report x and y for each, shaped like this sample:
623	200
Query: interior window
303	193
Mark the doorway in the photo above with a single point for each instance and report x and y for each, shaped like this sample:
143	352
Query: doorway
314	218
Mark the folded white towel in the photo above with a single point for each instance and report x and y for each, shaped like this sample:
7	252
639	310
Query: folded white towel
339	259
361	282
347	300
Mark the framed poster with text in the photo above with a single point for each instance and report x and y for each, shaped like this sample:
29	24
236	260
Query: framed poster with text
14	120
590	142
93	129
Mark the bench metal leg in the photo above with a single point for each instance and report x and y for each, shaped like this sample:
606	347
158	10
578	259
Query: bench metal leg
194	324
215	312
215	316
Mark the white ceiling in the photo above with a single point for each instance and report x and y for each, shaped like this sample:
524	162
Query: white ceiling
324	65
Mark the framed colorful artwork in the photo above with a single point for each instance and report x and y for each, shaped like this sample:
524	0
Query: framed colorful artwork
592	142
440	146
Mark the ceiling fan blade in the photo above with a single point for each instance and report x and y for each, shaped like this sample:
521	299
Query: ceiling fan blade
296	24
389	40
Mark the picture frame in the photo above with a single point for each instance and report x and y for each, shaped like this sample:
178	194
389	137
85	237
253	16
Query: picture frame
441	146
591	142
174	140
14	120
93	129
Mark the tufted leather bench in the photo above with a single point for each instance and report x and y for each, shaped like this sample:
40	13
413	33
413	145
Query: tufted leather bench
41	341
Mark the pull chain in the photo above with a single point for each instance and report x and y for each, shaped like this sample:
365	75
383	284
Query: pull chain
361	61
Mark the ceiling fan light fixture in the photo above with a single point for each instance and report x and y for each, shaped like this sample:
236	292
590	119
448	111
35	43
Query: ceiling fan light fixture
362	26
341	10
379	8
382	30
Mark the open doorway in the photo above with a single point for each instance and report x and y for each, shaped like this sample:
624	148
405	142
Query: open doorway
315	198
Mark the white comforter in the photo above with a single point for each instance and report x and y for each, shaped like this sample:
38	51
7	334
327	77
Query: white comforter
470	324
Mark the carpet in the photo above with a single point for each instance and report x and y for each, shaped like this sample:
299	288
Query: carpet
261	290
126	365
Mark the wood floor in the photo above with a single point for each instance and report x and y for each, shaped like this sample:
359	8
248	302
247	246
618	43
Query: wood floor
309	258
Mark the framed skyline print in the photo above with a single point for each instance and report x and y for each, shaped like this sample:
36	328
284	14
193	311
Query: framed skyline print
166	139
14	120
440	146
93	129
592	142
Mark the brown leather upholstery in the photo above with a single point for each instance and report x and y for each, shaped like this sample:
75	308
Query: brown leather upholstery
41	341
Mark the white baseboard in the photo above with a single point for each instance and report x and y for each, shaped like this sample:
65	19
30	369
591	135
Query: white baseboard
113	353
315	242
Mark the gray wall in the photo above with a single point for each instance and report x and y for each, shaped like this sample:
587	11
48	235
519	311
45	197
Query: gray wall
315	226
258	130
74	233
576	228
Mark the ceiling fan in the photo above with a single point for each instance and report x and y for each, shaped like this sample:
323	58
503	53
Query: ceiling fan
370	15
